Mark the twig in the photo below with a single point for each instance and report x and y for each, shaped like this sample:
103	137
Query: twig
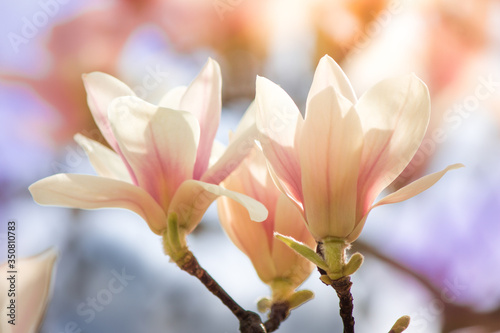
279	312
250	322
343	288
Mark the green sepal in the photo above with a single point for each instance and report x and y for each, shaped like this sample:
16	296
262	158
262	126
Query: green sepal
300	297
353	265
264	304
303	250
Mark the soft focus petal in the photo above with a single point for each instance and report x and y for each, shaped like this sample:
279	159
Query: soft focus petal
280	123
203	99
101	90
194	197
244	233
329	74
32	292
106	162
239	147
172	99
218	149
288	221
394	114
92	192
330	151
404	193
160	144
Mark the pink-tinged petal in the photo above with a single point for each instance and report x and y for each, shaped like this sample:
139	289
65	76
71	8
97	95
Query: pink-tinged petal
394	114
218	149
203	99
240	145
404	193
329	74
330	151
106	162
194	197
32	292
280	123
160	144
92	192
101	90
288	221
172	99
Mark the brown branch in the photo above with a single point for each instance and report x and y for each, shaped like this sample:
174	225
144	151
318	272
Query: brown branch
279	312
343	288
454	316
250	322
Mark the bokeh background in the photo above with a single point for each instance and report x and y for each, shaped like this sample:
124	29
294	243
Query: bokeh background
435	257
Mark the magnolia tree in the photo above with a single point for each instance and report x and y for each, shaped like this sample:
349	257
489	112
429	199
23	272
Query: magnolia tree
293	193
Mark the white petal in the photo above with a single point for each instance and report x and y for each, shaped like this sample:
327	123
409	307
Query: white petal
106	162
32	291
92	192
160	144
172	99
329	74
404	193
394	114
194	197
240	145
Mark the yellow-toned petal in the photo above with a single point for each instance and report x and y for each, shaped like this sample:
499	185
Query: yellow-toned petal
106	162
203	99
288	221
102	89
330	151
250	237
329	74
194	197
172	99
32	292
92	192
404	193
394	114
160	144
280	122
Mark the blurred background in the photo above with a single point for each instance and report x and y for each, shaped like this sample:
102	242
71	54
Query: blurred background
435	257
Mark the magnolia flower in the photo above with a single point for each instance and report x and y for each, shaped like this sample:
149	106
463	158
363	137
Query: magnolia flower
159	161
32	291
276	264
335	162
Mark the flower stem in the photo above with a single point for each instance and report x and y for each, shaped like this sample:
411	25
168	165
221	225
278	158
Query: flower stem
343	288
279	312
250	322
